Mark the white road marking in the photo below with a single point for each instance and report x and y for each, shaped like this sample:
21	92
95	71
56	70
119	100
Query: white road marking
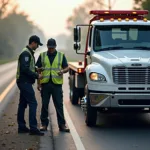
6	76
5	92
73	131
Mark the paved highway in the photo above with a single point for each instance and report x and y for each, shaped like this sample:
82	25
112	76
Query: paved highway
7	74
113	132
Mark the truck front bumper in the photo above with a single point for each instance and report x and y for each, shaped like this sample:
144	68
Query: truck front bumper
127	100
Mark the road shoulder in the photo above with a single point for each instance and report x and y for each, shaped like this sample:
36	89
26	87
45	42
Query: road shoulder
10	139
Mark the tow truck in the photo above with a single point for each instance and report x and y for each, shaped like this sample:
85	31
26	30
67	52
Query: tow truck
115	73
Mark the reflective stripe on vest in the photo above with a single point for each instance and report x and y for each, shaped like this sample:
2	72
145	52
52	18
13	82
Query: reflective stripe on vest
52	69
32	63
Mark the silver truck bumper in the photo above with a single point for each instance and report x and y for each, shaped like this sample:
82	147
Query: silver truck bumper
138	100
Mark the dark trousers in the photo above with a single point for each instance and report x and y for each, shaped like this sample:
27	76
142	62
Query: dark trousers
27	97
49	89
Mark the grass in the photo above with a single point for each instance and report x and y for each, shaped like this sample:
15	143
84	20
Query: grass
4	61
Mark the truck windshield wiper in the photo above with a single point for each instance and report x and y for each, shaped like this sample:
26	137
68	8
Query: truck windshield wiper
111	48
142	47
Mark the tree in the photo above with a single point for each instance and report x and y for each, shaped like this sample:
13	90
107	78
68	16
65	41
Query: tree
7	6
81	16
15	29
142	4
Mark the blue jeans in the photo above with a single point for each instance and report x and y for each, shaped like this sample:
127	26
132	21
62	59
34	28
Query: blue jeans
27	97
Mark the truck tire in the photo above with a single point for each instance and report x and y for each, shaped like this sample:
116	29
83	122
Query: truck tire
74	94
91	114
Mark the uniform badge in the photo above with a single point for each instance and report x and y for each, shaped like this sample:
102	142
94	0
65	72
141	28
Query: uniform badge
26	59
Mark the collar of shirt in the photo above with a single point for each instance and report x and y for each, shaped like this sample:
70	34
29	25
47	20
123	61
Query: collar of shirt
51	54
32	52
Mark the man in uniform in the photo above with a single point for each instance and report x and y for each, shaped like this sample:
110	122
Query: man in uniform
54	65
26	75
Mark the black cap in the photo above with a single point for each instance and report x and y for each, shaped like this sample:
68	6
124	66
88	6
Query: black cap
51	43
35	39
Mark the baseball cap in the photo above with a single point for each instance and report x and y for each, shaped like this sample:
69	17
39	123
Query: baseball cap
35	39
51	43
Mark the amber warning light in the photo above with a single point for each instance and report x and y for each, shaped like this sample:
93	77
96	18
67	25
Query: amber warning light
119	15
119	12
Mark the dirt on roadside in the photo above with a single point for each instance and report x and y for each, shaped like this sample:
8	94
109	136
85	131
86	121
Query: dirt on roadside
9	137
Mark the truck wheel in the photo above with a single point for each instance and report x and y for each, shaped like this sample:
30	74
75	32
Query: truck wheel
74	94
91	114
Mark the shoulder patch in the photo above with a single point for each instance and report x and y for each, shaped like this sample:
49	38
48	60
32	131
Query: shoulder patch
26	59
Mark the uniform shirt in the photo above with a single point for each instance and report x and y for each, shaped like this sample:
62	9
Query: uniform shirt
26	75
51	57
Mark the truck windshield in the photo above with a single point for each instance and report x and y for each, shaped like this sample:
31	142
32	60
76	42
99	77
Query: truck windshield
121	37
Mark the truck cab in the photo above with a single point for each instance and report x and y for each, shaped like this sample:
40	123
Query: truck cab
115	73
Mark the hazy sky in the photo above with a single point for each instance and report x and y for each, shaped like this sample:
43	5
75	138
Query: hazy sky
51	15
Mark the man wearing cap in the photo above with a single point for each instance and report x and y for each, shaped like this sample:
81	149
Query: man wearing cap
54	65
25	77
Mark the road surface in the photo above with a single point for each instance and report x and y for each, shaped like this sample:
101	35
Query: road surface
113	132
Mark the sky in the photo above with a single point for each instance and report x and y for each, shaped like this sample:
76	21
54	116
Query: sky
51	15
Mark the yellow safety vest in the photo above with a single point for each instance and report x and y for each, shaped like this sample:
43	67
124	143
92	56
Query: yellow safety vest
32	63
51	70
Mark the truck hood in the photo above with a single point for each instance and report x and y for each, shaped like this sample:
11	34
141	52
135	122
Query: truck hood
122	57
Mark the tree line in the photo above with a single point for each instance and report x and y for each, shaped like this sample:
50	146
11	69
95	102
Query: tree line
81	15
15	29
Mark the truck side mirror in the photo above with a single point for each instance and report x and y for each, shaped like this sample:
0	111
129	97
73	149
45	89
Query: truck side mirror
88	53
77	34
77	46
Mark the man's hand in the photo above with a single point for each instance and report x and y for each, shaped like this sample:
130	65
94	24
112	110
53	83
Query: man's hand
40	76
39	87
60	73
39	70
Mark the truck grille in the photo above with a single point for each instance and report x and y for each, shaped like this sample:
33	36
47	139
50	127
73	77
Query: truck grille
131	75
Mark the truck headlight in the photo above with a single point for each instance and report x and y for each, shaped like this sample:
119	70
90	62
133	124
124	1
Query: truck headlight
97	77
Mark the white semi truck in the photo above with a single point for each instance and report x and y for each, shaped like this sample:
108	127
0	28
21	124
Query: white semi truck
115	73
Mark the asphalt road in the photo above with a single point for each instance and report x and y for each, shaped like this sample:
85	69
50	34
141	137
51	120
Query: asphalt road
113	132
7	74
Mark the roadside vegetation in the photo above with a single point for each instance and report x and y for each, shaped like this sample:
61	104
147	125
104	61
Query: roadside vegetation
81	15
15	29
4	61
142	5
